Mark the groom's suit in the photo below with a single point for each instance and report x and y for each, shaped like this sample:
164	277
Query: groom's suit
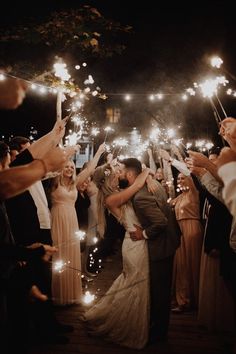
156	218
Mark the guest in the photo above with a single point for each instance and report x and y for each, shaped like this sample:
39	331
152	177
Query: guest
215	310
214	186
30	221
67	285
18	144
5	158
188	255
82	206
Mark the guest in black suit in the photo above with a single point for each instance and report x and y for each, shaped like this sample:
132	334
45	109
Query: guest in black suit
30	222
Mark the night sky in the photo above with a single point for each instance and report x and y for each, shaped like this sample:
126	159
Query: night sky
167	51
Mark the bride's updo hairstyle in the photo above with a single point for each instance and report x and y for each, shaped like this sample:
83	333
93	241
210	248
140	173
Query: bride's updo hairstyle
102	179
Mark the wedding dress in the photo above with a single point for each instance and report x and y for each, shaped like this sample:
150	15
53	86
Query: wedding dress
122	314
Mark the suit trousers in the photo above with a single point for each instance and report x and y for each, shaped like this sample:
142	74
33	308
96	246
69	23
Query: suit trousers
160	290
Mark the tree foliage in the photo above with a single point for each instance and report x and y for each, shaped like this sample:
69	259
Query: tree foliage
82	32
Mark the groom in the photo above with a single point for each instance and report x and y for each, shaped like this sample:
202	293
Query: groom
156	219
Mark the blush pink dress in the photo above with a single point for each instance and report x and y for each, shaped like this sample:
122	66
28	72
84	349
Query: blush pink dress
188	255
66	285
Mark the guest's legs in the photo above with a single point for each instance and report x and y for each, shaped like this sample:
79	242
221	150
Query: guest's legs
160	290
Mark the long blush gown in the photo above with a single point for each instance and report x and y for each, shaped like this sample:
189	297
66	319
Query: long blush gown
66	285
188	255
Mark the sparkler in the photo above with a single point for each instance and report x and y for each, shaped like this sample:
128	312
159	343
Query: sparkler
79	235
95	131
61	72
88	298
209	90
120	142
59	266
216	62
71	138
221	106
107	129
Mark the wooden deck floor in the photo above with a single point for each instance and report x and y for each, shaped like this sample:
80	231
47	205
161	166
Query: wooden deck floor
185	336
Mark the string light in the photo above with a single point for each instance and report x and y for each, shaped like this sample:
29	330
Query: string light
61	72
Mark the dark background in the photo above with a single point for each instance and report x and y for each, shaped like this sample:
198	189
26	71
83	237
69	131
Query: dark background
167	51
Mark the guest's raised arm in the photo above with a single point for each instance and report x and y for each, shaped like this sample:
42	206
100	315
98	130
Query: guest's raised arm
198	159
180	165
89	169
48	141
16	180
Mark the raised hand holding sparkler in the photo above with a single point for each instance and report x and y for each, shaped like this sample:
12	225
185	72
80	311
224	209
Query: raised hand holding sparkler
59	129
197	159
176	151
164	155
55	158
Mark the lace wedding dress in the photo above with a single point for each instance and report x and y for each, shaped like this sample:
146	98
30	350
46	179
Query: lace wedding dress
122	315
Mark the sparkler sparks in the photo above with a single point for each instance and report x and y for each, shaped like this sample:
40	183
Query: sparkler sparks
95	131
58	266
107	130
216	62
61	71
88	298
80	234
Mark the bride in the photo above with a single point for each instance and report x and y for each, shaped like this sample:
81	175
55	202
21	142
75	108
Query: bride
122	315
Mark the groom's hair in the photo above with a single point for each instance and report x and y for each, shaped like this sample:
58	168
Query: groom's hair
132	164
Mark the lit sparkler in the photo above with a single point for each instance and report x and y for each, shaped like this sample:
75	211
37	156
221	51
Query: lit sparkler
107	130
95	131
88	298
58	266
216	62
80	234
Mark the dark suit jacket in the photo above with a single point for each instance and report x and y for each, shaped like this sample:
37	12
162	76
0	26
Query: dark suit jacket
22	211
158	221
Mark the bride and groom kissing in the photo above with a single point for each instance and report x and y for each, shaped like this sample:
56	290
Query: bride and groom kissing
136	309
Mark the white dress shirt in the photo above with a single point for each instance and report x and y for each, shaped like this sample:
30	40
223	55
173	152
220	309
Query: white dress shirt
38	194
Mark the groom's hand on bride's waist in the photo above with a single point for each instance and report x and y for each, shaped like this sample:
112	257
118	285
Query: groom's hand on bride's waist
137	234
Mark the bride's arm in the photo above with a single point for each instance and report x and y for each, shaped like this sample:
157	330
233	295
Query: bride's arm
114	201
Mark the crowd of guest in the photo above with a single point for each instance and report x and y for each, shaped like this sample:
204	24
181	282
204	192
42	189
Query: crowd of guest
41	216
205	263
